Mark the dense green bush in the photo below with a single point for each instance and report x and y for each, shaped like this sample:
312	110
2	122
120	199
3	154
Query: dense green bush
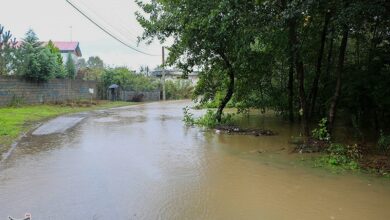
35	62
70	67
178	89
321	133
293	57
128	79
188	117
208	120
341	156
383	145
215	101
60	71
7	51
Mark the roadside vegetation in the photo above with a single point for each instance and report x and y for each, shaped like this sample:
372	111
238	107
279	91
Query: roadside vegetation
308	61
208	120
14	120
32	60
338	157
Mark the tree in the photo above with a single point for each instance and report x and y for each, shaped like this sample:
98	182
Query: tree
81	63
95	62
60	71
7	49
36	63
54	50
128	79
144	70
92	69
302	59
208	34
70	67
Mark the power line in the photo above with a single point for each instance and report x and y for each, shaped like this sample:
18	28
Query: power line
108	32
124	33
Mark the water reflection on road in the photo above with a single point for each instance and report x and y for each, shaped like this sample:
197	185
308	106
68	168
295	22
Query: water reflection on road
141	162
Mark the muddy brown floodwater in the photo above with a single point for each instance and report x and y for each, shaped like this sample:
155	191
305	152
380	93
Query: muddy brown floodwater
141	162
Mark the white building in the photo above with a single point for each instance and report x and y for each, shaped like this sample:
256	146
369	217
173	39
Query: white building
176	74
67	47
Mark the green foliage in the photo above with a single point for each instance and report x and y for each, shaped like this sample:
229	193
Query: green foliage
128	79
383	145
31	60
70	67
91	73
227	28
55	51
188	117
207	120
93	69
60	71
95	62
81	63
264	44
178	89
341	156
35	62
7	51
216	101
321	133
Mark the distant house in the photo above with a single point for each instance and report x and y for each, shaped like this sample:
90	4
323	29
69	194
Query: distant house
176	74
67	47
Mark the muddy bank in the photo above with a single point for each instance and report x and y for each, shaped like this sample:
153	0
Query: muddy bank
243	131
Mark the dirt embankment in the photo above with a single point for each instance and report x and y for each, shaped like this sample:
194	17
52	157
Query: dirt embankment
243	131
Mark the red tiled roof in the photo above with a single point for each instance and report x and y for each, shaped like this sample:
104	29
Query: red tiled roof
63	46
66	45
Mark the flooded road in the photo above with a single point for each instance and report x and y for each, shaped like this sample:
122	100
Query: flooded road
141	162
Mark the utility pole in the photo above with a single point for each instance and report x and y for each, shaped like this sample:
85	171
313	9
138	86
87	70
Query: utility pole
163	73
71	33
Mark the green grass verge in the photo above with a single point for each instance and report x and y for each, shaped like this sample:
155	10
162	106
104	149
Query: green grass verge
15	120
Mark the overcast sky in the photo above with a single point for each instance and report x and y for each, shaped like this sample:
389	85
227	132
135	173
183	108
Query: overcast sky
53	19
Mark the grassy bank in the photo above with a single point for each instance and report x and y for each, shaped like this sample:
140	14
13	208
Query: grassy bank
15	120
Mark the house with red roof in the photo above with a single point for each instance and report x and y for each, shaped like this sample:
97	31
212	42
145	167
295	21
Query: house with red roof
66	47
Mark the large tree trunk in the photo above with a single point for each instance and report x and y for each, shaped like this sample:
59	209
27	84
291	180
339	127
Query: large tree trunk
314	88
290	85
290	88
300	74
230	89
329	62
339	70
295	58
302	95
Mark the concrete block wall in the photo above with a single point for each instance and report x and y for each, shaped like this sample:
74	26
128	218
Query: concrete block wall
56	90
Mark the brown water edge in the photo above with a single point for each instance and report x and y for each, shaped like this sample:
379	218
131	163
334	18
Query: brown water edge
301	183
370	162
141	162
